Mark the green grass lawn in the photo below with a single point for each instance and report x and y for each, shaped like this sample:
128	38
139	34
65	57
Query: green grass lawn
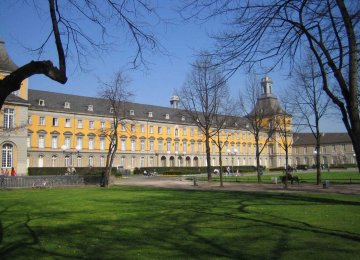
153	223
305	177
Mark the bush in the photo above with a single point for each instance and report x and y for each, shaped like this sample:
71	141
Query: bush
282	168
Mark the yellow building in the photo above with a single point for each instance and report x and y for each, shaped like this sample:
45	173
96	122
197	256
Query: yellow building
58	130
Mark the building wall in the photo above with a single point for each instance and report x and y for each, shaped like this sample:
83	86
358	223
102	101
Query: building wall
156	143
16	137
335	153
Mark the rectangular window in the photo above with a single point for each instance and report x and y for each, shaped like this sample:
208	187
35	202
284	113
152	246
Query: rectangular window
142	129
168	146
168	130
79	142
67	122
28	141
192	147
102	125
67	142
102	143
200	147
123	127
41	120
176	146
132	112
54	142
151	145
41	141
79	123
91	143
29	120
159	130
55	121
184	147
192	131
122	144
151	129
133	145
160	145
150	114
8	118
133	128
142	145
184	131
91	125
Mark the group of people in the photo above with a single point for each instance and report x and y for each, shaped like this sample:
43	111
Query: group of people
5	172
146	173
70	171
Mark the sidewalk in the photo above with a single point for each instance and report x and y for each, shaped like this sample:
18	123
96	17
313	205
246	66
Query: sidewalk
182	183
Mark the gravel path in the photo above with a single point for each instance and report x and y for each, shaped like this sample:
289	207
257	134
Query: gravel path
182	183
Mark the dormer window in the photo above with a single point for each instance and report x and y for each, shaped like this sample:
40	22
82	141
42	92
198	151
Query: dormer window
41	102
67	105
150	114
111	110
132	112
90	108
167	116
183	118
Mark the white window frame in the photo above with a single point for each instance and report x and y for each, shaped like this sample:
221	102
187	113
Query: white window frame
9	115
54	141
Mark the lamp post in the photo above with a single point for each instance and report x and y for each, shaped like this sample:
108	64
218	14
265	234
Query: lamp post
69	152
315	158
232	154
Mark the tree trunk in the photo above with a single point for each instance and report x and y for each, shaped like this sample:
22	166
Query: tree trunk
208	167
257	160
220	161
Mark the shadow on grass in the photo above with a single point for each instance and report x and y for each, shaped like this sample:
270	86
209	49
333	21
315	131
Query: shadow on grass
137	222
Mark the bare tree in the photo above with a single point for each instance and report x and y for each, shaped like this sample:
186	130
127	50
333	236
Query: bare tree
117	96
310	103
221	122
258	114
201	97
284	134
279	31
73	37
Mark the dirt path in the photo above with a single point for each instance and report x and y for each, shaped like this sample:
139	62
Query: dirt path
182	183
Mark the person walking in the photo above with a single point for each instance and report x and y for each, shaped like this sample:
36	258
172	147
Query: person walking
13	172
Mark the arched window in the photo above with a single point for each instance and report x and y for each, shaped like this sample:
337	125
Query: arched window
7	156
67	161
41	161
53	161
79	158
91	161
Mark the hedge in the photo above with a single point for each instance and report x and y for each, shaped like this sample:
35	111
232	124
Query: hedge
36	171
191	170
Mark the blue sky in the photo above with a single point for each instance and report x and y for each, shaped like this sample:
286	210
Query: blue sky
22	27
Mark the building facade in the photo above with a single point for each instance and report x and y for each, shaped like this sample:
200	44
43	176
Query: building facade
336	149
47	129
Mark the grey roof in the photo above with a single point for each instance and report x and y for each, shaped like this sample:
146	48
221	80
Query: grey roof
326	138
55	102
6	64
79	105
13	99
267	105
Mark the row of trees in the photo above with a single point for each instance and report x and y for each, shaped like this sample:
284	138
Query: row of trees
205	98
